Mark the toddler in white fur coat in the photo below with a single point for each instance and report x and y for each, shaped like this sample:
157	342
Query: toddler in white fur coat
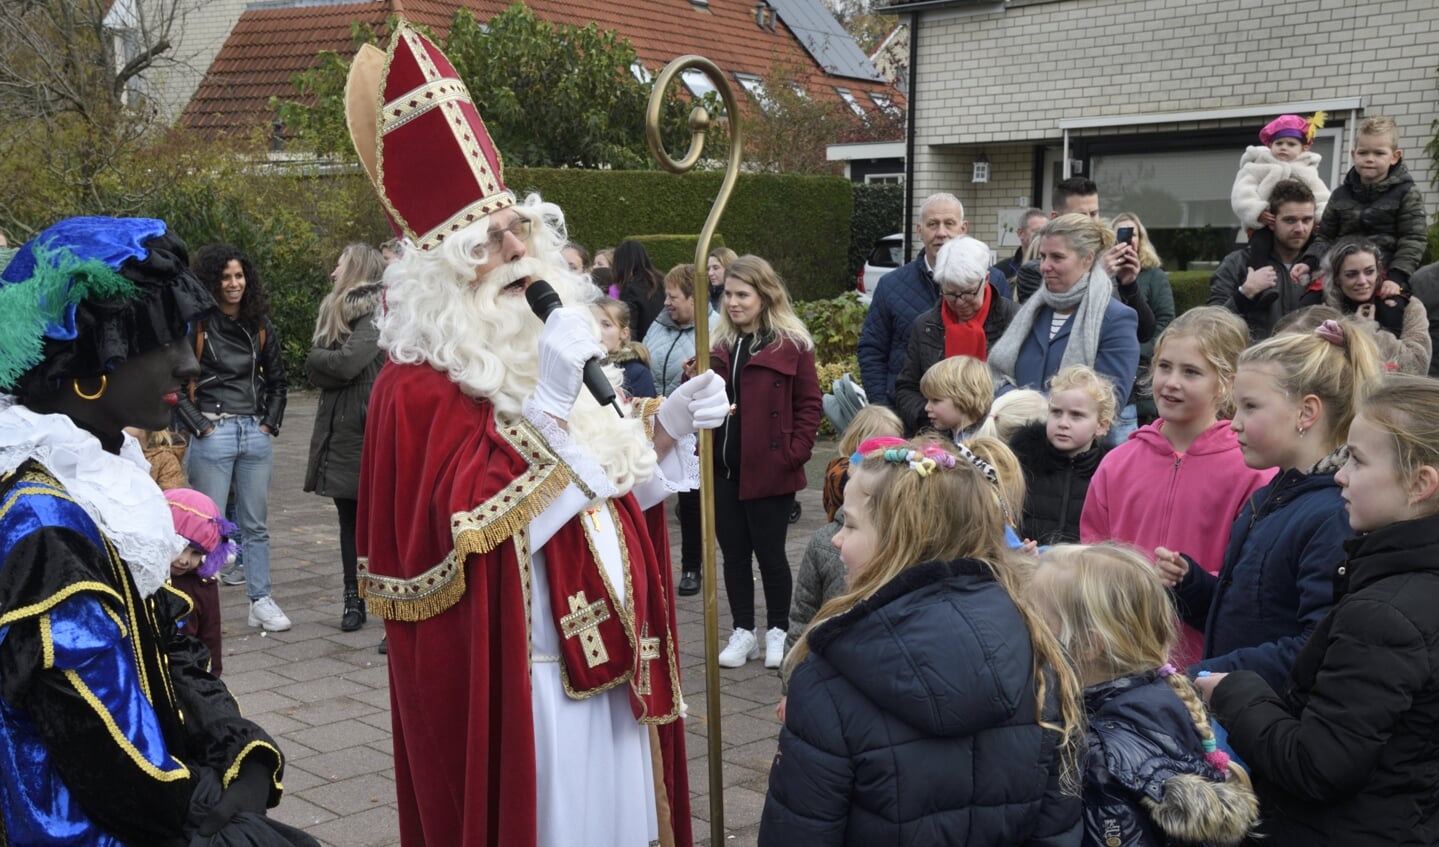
1284	154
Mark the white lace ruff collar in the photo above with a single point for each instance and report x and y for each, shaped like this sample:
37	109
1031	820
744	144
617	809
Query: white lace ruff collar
115	491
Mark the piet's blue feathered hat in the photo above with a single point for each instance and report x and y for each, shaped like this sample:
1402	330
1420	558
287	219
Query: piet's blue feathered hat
87	294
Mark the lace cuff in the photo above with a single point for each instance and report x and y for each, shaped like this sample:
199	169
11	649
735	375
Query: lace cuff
680	470
588	474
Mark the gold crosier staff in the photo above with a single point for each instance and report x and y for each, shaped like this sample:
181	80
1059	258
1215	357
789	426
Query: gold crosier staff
699	123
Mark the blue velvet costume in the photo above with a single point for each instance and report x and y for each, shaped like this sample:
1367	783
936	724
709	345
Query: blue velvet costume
106	713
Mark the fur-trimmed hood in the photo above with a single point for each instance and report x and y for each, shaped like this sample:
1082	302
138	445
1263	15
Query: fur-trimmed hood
1145	751
360	301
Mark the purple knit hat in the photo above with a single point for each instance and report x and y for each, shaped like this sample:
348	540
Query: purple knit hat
198	521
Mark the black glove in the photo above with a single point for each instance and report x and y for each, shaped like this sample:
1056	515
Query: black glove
248	792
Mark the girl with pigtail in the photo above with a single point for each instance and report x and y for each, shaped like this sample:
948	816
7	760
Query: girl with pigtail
1152	772
928	704
1295	396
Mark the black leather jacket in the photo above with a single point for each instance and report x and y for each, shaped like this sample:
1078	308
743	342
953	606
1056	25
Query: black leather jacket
238	376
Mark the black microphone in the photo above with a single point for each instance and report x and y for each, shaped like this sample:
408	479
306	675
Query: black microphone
543	300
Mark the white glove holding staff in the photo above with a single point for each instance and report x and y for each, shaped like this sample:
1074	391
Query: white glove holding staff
699	403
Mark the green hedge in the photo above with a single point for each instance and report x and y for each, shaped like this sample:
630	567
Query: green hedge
801	224
666	251
878	211
1191	288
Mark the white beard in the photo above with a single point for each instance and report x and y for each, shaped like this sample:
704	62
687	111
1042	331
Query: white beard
487	341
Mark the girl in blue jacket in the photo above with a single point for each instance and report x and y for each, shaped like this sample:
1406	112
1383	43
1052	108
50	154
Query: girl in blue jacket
1294	396
1153	775
927	705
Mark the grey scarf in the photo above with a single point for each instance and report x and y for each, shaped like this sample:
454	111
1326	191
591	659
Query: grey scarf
1089	298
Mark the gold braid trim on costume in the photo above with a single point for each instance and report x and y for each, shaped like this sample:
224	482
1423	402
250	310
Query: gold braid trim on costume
125	744
646	408
234	769
624	613
479	531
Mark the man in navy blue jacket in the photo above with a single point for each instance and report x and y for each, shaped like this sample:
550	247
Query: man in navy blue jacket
904	294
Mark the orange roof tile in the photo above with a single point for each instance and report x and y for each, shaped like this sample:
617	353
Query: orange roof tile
269	45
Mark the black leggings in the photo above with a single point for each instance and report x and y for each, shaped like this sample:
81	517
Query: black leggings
755	528
349	513
688	512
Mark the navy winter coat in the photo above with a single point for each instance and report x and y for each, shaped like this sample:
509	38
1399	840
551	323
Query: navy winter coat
1276	581
1141	744
903	295
913	721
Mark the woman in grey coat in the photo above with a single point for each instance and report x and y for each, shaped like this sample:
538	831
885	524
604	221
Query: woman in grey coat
343	364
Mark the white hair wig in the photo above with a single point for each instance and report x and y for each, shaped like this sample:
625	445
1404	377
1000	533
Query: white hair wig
437	313
962	261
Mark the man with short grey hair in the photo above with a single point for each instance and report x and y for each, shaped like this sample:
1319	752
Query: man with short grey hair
1031	221
904	294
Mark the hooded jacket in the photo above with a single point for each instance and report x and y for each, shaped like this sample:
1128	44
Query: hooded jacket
1347	754
1055	485
1276	583
1390	213
638	381
669	345
1146	782
344	371
894	736
1409	349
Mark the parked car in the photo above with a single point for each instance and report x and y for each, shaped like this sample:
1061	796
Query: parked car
886	255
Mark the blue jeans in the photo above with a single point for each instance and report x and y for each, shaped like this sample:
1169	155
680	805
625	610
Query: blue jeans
1128	422
238	451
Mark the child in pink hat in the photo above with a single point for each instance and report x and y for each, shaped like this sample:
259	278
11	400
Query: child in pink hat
198	521
1283	154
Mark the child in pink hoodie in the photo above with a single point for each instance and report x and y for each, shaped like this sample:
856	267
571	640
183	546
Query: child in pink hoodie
1180	482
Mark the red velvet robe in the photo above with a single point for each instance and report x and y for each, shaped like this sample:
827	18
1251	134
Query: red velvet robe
455	595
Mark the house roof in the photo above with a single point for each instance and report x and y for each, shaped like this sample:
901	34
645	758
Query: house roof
272	42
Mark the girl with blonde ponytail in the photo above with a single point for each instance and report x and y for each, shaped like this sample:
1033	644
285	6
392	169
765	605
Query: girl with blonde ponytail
1153	774
928	704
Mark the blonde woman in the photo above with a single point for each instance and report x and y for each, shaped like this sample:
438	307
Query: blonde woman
719	259
766	357
343	364
1073	319
1155	291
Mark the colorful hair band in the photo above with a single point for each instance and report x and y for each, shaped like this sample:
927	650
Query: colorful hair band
1332	332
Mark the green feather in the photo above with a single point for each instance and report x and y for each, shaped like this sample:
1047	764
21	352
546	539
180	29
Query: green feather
61	279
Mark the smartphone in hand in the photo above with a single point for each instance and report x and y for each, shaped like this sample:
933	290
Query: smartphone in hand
1125	235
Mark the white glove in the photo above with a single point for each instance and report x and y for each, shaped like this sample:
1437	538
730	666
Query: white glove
699	403
566	343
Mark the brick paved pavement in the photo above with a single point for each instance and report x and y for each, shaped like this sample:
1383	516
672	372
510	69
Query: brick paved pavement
324	693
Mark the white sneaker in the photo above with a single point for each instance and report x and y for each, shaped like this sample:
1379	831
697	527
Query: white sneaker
774	647
266	613
742	647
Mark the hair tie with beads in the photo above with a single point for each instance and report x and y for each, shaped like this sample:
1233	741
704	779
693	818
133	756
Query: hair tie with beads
1332	332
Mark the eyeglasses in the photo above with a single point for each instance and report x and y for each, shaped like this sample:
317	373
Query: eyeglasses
967	294
519	228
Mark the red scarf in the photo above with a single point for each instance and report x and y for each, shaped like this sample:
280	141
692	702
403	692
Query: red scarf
965	338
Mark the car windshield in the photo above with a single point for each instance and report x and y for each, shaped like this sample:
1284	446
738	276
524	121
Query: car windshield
886	254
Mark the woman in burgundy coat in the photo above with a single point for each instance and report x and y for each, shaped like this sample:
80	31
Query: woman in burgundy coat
766	357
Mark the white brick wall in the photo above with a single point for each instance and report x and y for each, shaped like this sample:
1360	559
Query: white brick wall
989	81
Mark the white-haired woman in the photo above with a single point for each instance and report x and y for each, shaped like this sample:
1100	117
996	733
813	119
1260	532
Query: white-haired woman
1074	318
969	319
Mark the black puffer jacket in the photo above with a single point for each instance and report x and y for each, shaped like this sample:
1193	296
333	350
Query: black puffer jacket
1390	213
1350	753
926	346
913	721
239	375
1054	484
1146	782
345	372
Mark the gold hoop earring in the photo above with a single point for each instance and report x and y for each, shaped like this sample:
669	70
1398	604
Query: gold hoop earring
104	383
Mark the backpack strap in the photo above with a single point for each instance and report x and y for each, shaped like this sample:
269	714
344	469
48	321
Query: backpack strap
199	348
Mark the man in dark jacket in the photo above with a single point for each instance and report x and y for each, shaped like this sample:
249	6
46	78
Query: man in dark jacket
1031	221
904	294
1264	295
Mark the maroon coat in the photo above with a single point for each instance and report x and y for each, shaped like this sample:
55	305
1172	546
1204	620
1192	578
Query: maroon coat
779	417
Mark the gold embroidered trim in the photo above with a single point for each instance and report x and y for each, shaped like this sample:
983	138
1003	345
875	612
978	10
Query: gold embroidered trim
525	565
189	604
234	769
417	101
645	408
504	516
47	643
670	716
625	614
583	622
150	770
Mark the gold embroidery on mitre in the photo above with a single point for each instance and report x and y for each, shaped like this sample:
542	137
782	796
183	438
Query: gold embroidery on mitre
420	100
583	622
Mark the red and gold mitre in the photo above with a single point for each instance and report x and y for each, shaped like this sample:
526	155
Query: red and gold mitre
421	139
